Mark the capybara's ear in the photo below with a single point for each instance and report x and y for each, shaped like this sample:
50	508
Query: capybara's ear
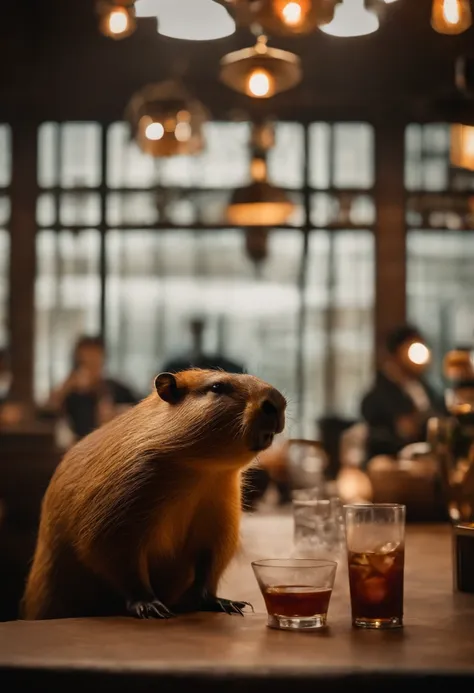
167	387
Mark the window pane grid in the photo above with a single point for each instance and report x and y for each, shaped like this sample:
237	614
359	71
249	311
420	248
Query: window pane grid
169	257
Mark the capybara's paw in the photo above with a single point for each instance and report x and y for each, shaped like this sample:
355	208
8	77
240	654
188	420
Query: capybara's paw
225	605
153	609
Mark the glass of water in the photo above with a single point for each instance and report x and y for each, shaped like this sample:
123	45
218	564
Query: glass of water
318	528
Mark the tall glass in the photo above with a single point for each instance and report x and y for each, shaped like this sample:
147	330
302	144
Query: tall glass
375	539
318	530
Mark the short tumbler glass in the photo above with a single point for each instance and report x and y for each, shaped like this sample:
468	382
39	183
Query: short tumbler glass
375	538
297	591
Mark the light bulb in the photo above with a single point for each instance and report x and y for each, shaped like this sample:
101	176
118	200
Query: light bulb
351	18
260	83
418	353
154	131
258	170
451	16
292	12
118	21
182	131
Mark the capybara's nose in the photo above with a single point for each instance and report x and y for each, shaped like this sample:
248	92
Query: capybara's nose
273	407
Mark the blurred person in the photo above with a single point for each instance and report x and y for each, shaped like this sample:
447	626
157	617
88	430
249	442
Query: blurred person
401	400
88	397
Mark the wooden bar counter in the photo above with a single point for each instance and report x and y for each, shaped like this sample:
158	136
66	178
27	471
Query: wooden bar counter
220	652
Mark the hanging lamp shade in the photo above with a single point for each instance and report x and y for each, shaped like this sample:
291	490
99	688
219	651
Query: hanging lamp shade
189	20
284	17
260	71
352	18
259	203
166	121
451	16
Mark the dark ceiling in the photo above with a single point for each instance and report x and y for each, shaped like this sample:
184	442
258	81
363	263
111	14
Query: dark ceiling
55	65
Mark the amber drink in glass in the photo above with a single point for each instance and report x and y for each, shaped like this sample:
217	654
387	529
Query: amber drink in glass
296	591
375	537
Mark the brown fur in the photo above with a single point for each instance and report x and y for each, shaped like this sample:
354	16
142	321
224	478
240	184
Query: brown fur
133	507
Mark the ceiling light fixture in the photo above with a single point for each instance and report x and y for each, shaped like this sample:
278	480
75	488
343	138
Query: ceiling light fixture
284	17
117	18
166	121
190	20
451	16
260	72
351	18
259	204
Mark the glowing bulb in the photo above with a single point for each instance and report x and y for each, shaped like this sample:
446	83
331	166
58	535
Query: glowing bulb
451	16
292	13
451	11
183	131
418	353
258	169
260	83
154	131
118	21
351	18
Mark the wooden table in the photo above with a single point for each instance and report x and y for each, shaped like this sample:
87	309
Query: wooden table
220	652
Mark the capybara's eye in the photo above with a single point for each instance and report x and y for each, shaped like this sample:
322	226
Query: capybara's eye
220	388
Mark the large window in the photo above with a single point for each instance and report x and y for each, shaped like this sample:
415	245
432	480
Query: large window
5	176
137	247
68	246
440	245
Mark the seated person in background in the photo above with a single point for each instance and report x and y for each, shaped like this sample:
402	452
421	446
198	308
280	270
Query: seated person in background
88	398
399	404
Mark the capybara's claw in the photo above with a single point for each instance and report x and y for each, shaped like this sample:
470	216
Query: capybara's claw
153	609
225	605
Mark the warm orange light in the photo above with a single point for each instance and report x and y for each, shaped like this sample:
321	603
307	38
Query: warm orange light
154	131
117	20
451	16
260	84
258	169
292	12
462	146
419	354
